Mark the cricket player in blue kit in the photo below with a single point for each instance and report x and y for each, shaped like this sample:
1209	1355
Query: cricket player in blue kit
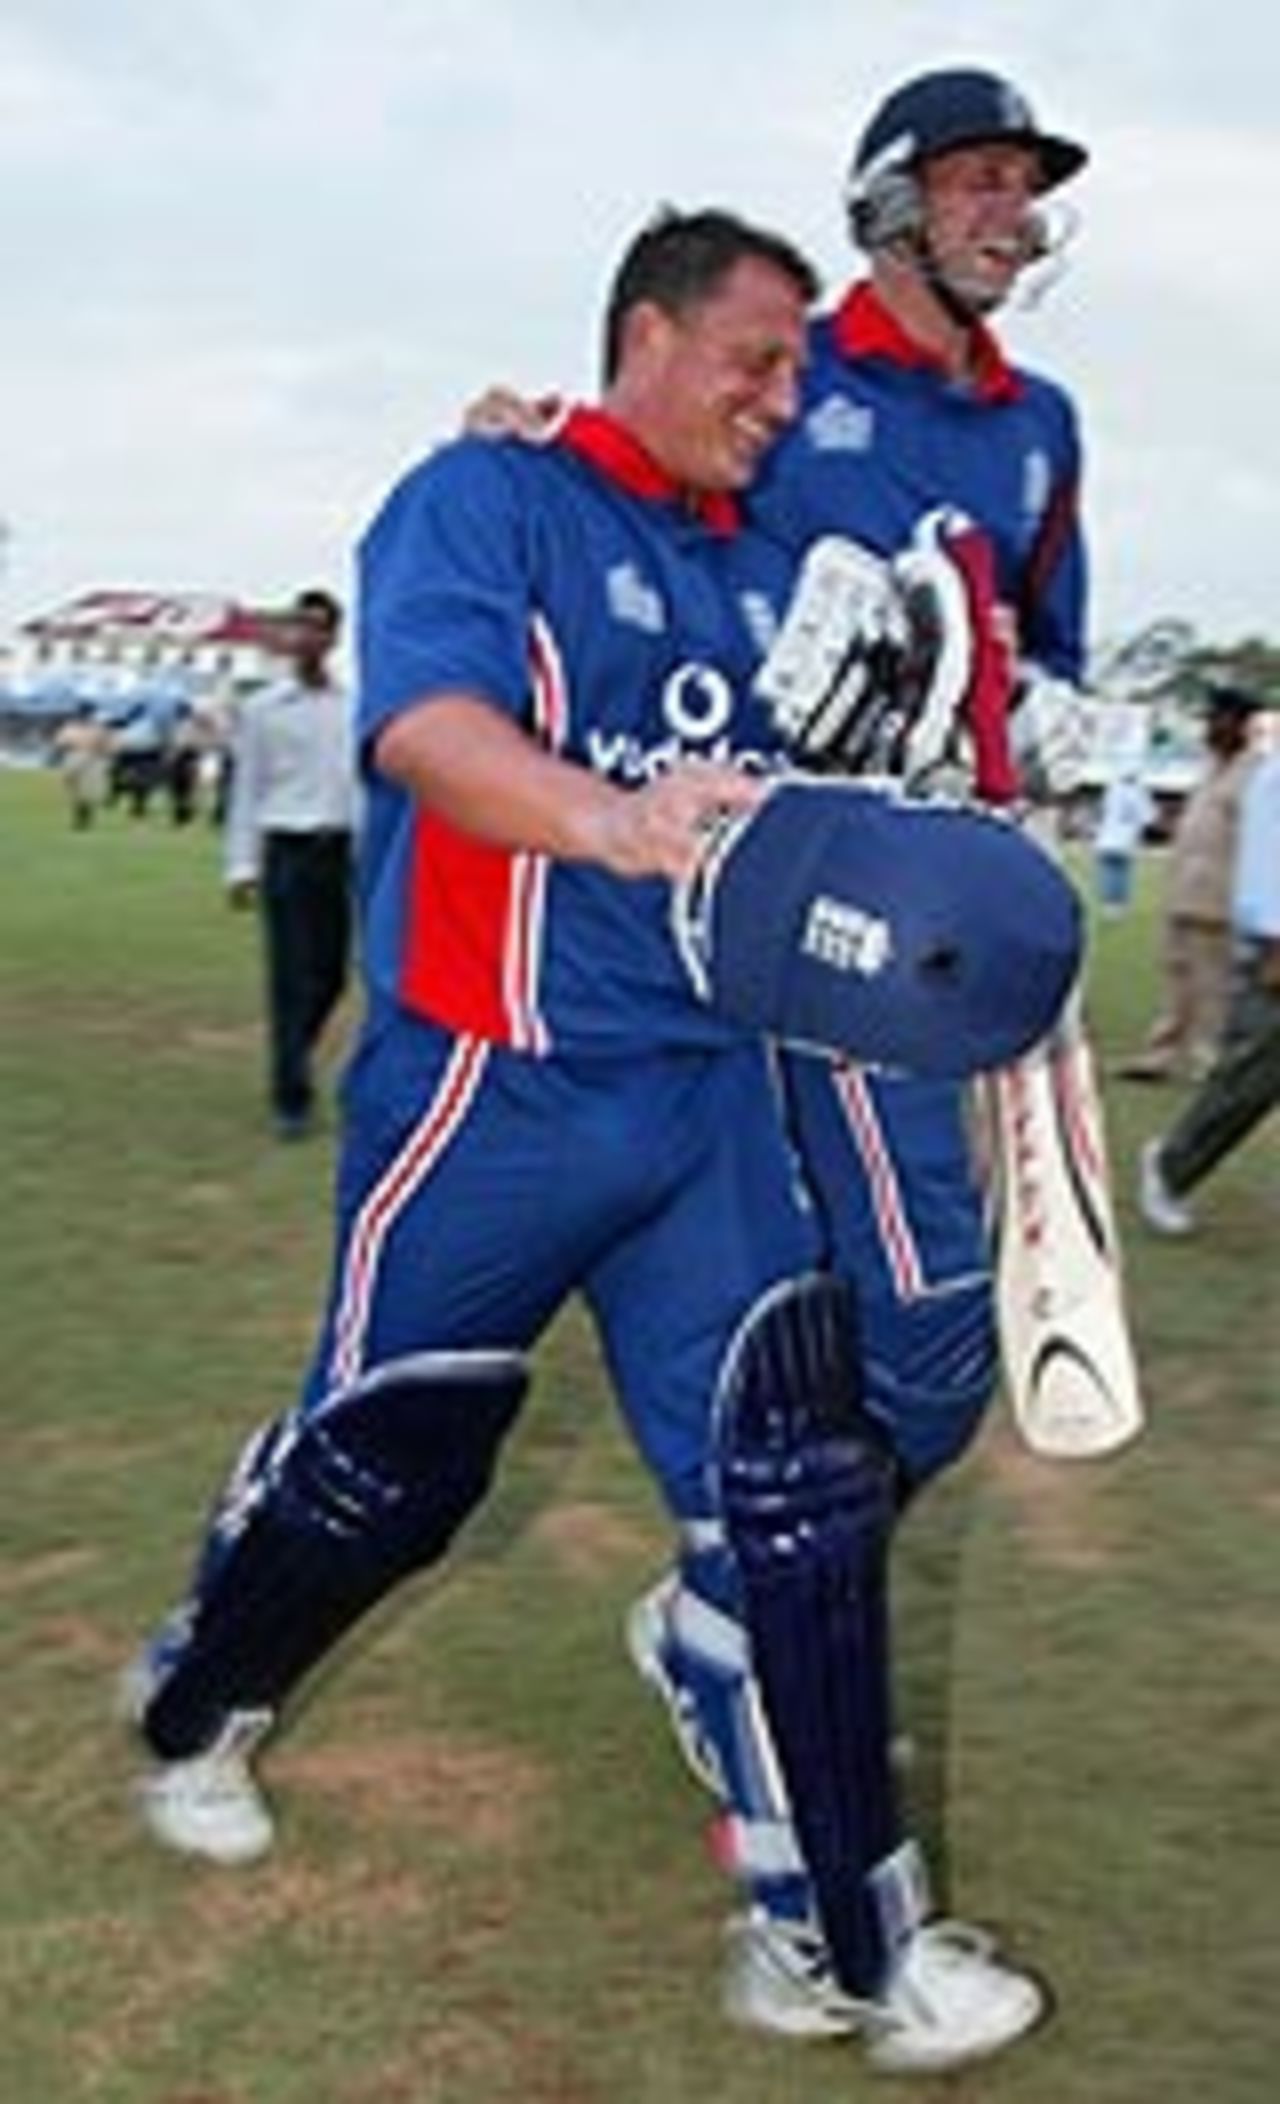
551	643
909	404
557	646
914	429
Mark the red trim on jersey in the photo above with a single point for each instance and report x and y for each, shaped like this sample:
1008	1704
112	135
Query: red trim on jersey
1052	540
475	911
459	911
991	674
618	453
865	328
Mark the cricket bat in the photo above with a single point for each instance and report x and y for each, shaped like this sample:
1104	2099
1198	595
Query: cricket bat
1068	1357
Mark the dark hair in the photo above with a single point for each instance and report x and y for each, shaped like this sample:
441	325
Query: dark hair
1223	700
315	600
681	259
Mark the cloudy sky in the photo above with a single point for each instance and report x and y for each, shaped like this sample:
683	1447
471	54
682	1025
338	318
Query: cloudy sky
258	253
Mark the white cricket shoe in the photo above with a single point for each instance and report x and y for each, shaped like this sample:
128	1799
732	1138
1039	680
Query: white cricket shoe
778	1978
649	1644
950	1999
210	1805
1159	1207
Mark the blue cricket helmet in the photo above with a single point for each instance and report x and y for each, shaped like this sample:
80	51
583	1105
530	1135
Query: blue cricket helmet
931	114
930	937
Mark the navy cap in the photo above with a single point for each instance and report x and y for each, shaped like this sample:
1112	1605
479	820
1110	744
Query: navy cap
960	106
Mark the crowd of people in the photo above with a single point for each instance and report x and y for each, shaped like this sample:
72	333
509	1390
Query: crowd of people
136	760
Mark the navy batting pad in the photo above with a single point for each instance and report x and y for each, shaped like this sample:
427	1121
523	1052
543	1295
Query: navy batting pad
855	920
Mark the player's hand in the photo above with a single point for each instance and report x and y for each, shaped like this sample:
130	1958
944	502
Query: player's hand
1049	732
898	668
830	678
957	678
502	413
662	830
242	893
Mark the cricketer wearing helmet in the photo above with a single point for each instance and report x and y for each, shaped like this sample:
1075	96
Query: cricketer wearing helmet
923	460
911	409
911	404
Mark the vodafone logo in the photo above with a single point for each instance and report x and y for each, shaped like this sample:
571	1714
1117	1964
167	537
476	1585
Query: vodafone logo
697	703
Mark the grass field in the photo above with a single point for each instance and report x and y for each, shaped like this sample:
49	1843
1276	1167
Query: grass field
492	1882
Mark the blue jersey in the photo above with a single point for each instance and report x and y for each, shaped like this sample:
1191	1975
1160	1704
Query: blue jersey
884	436
571	587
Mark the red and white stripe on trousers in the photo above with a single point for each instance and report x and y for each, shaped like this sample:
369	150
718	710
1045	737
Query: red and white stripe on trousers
405	1174
893	1222
385	1202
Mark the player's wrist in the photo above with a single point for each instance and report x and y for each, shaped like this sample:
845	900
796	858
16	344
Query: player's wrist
596	826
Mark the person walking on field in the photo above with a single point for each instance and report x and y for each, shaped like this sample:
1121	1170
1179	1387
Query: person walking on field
1126	811
1196	929
288	848
915	431
912	416
81	751
1243	1085
558	645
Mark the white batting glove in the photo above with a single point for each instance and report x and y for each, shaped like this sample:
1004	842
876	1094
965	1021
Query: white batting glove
1049	729
829	678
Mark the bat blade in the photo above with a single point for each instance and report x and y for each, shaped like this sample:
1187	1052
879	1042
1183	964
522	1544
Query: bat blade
1069	1363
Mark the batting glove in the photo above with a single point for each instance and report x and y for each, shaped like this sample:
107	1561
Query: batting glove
1049	730
830	679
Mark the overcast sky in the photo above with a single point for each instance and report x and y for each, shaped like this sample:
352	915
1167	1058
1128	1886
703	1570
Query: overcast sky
258	253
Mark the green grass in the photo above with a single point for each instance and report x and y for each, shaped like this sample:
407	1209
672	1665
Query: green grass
492	1883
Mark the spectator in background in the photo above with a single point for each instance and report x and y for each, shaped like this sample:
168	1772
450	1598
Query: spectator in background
1244	1082
81	751
288	848
1196	940
182	765
137	761
1127	810
218	715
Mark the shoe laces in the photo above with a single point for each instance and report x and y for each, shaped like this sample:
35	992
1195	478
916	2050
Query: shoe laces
952	1942
222	1770
940	1952
800	1951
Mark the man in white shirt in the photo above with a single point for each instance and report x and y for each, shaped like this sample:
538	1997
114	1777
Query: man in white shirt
1244	1082
288	848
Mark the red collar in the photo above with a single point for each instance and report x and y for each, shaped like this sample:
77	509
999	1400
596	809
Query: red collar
865	328
618	453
